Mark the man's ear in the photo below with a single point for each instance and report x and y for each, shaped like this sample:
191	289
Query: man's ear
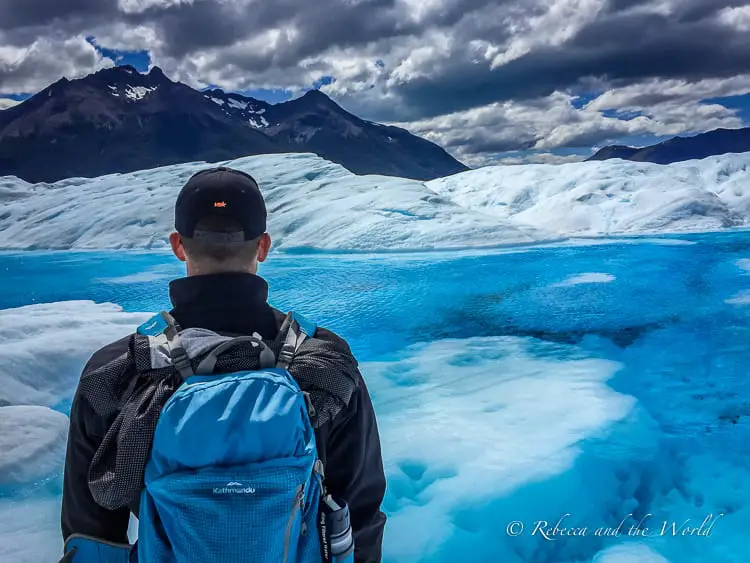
264	245
175	240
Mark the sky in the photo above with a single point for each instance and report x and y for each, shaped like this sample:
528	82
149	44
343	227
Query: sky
492	81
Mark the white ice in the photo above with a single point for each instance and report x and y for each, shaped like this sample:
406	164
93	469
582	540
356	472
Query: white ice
312	203
610	197
593	277
32	443
481	432
30	529
742	298
316	204
744	264
629	553
45	347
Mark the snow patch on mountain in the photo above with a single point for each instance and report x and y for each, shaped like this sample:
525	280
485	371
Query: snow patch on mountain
237	104
136	93
259	122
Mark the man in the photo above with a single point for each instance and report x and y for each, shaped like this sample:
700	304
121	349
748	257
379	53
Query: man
220	221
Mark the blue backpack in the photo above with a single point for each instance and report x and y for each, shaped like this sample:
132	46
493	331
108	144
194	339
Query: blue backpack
233	474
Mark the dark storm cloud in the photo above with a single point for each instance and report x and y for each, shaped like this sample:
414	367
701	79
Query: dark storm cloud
622	5
696	10
484	142
15	15
624	44
618	49
186	28
436	57
317	25
206	24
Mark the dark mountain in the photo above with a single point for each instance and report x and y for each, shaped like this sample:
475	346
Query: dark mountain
242	107
118	120
719	141
615	151
315	123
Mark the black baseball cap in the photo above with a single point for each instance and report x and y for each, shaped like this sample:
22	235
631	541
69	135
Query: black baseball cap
221	192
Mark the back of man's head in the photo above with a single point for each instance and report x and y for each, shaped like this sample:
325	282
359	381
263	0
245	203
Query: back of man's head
220	222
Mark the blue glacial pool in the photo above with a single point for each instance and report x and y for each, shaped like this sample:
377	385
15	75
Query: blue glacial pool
608	382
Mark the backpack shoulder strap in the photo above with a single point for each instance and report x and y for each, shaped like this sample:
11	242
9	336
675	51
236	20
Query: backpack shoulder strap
164	324
298	329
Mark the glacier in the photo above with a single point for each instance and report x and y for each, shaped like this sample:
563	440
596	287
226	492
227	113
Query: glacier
317	205
610	197
575	350
606	381
32	443
38	350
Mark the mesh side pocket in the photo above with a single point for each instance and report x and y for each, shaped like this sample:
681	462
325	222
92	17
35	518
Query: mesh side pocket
233	515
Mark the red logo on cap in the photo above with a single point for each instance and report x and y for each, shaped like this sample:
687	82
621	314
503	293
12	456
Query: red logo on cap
220	204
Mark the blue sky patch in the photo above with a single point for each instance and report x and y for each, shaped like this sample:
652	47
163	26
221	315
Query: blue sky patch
324	81
581	99
274	96
740	103
16	97
139	60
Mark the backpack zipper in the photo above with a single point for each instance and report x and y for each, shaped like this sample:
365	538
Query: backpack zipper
298	500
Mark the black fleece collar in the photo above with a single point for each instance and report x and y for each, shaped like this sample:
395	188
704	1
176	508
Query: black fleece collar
233	303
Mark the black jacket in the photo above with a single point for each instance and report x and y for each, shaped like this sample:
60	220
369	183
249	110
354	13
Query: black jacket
349	445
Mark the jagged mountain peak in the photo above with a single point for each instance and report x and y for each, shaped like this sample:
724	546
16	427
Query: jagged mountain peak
121	120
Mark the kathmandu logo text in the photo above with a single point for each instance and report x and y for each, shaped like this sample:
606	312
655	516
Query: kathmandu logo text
234	488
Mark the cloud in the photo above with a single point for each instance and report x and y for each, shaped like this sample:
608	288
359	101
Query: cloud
140	6
538	158
554	122
480	76
736	18
653	92
616	49
6	103
42	15
28	69
439	56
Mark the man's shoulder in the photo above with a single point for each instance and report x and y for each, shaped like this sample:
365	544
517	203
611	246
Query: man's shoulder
322	333
107	354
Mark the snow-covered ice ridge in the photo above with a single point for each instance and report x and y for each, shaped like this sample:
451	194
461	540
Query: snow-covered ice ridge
610	197
317	204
